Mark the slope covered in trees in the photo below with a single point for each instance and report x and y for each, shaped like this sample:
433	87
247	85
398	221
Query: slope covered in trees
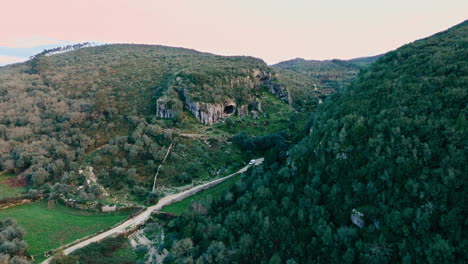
328	74
96	106
379	179
12	246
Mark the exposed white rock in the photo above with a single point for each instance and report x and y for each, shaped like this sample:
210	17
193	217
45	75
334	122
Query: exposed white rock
209	114
278	90
357	218
162	110
108	208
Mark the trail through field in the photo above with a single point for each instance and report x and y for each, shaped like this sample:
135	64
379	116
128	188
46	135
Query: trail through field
159	167
141	218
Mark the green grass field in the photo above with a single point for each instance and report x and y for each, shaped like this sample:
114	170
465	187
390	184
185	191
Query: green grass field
179	207
7	191
47	229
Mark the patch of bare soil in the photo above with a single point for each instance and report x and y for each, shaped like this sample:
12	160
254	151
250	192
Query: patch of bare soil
15	182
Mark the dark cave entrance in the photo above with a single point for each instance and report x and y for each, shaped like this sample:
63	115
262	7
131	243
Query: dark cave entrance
229	109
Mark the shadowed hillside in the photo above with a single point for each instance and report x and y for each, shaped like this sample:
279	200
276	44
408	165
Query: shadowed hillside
379	179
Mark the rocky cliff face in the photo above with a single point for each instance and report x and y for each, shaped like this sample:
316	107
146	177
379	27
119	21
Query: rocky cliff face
209	114
278	90
162	110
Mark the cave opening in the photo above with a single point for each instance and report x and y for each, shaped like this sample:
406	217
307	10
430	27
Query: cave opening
229	109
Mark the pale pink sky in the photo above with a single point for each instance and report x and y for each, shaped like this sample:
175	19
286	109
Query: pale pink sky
273	30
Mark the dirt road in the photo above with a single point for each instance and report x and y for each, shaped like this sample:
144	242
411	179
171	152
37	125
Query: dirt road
145	215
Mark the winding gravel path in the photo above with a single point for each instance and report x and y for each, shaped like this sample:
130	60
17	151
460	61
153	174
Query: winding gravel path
145	215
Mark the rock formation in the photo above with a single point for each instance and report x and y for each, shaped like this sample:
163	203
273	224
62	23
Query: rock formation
209	114
256	105
357	218
163	111
277	89
168	105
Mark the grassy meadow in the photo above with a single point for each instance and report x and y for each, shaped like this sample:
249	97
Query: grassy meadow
6	191
47	229
179	207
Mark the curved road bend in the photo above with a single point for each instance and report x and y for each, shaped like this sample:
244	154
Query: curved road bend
145	215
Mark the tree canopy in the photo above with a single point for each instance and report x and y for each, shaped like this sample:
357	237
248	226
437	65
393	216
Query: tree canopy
379	179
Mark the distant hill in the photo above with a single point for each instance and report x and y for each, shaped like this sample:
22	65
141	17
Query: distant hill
365	61
331	74
379	179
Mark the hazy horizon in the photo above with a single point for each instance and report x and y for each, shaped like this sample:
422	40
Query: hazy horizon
271	30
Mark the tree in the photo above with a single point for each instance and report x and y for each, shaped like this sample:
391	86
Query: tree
11	243
61	258
182	248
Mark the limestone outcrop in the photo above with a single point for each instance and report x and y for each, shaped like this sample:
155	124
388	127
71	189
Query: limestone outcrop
163	111
209	114
278	90
168	105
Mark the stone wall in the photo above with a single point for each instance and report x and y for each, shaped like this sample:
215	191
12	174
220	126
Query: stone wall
96	206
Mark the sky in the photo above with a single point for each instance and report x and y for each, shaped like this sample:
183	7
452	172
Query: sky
273	30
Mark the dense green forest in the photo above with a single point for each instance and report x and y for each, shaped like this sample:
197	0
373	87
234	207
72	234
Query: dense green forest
379	178
365	159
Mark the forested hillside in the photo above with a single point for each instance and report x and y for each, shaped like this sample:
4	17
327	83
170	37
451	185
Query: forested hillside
331	75
379	179
90	115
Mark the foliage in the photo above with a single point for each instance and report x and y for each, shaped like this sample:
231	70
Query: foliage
48	228
391	147
180	207
272	146
12	245
327	74
275	117
95	106
103	252
310	81
61	258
